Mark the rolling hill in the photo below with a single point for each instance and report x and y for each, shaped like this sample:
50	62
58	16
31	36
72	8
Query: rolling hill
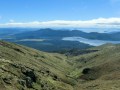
100	69
23	68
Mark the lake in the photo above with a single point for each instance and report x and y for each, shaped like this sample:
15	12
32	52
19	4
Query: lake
89	41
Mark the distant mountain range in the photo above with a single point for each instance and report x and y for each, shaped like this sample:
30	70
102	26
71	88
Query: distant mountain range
58	34
4	32
50	39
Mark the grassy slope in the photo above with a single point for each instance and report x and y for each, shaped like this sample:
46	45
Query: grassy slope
105	69
50	70
58	72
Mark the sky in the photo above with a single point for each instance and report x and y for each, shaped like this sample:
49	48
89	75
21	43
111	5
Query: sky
60	13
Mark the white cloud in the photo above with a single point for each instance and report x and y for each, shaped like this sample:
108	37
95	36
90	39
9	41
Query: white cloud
94	23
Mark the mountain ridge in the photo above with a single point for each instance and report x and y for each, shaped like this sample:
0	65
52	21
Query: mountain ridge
58	34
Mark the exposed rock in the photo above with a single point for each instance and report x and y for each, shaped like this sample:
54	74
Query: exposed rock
7	80
55	77
29	82
30	76
22	82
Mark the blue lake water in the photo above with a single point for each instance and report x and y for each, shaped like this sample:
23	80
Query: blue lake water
89	41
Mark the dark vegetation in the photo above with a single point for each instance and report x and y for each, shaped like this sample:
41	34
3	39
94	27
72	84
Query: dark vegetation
52	45
75	52
86	71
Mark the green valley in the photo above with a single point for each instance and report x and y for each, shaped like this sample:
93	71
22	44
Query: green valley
23	68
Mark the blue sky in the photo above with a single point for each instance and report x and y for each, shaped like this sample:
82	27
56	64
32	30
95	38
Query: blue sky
27	12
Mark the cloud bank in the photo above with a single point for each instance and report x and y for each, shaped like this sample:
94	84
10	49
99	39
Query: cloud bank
94	23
